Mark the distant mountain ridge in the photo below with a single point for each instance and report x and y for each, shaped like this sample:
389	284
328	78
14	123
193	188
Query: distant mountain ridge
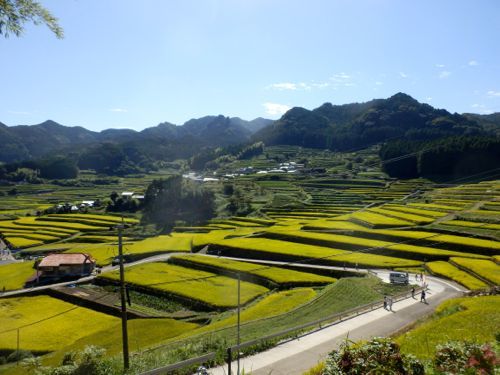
23	142
358	125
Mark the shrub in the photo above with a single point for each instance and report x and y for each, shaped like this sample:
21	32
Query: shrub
19	355
377	356
466	358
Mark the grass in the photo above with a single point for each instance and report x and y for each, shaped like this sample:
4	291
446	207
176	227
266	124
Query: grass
483	268
345	294
275	274
449	271
271	305
14	275
473	319
207	289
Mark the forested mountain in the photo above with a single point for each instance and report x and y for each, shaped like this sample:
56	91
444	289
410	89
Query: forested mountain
490	122
358	125
164	140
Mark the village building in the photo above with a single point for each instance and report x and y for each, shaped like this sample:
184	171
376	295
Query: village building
56	266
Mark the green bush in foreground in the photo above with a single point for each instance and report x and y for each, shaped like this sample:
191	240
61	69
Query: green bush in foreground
383	356
377	356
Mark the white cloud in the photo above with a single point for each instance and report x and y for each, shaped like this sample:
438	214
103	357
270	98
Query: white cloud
289	86
444	74
320	85
403	75
493	93
429	98
118	110
379	83
283	86
473	63
340	77
440	65
274	109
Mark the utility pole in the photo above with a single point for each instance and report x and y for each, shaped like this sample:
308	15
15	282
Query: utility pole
238	334
126	362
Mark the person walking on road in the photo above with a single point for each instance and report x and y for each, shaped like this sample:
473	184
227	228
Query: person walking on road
422	296
413	292
385	302
390	303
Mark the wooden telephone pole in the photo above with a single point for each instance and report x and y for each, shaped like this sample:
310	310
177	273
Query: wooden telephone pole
126	360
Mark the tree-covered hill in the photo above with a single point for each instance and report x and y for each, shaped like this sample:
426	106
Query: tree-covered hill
358	125
165	140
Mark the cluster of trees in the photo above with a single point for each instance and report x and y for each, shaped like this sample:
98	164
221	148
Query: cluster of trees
33	170
449	158
115	159
175	200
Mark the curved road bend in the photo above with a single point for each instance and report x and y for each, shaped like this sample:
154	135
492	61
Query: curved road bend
297	356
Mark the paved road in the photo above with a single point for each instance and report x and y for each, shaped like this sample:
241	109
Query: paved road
297	356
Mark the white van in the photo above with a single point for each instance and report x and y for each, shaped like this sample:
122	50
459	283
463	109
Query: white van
398	278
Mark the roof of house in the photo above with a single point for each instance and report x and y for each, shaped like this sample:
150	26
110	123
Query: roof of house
55	260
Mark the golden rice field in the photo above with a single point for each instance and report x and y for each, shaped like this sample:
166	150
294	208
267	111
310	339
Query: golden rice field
263	247
474	319
14	275
485	269
52	334
415	211
447	270
51	327
203	287
472	224
374	246
278	275
376	220
410	217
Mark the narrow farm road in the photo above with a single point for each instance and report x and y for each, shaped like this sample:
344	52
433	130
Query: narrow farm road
294	357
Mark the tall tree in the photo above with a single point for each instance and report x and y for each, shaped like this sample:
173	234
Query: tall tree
15	13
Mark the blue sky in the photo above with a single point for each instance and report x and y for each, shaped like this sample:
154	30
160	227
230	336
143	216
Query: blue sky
134	64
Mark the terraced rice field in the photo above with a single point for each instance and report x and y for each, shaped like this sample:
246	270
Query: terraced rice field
200	287
262	248
367	245
473	319
375	220
449	271
485	269
14	275
51	327
283	277
414	211
472	224
410	217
